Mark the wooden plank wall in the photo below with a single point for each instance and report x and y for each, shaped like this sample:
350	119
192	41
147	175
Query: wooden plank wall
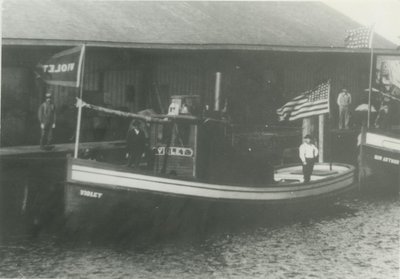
108	72
191	75
302	72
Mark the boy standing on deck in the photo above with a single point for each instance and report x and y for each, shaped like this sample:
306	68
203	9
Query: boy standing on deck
308	152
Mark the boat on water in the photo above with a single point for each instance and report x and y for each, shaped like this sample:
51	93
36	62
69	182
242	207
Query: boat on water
192	158
379	162
379	140
87	180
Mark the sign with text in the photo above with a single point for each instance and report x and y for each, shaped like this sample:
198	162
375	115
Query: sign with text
175	151
388	74
63	68
385	159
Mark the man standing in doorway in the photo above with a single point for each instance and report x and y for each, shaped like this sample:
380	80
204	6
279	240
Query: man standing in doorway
344	102
47	119
308	153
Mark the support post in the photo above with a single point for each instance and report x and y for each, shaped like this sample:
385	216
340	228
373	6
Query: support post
370	78
195	150
79	118
321	143
308	126
361	159
78	126
1	131
217	100
329	141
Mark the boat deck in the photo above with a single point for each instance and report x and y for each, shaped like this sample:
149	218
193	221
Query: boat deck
294	174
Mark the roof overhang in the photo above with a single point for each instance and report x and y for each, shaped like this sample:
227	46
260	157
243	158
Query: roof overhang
169	46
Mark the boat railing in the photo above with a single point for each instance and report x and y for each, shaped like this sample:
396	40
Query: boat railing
393	132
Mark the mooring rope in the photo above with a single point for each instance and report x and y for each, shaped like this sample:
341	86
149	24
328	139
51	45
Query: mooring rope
390	96
161	118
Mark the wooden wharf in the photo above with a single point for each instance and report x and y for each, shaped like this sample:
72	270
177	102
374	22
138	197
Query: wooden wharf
60	149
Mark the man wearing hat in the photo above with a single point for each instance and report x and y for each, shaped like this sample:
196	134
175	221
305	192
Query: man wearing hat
135	143
47	119
344	102
308	153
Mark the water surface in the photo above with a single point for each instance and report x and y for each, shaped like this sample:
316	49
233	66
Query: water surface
353	237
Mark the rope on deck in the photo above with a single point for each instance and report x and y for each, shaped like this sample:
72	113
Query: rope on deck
160	118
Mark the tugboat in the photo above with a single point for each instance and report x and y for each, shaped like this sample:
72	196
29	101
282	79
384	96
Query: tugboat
191	157
379	161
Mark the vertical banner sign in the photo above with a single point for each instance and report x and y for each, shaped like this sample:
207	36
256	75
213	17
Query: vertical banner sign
388	74
63	68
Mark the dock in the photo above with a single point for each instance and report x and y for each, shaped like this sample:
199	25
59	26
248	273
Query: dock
64	148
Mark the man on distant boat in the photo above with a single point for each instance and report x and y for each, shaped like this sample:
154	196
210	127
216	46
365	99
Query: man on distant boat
383	119
47	119
135	143
308	152
344	102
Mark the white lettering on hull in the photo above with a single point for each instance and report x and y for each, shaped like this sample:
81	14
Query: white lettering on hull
387	159
90	194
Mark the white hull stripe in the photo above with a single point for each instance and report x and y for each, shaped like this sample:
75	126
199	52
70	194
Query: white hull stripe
233	193
383	141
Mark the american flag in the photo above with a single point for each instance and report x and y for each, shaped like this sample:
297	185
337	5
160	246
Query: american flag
311	102
358	38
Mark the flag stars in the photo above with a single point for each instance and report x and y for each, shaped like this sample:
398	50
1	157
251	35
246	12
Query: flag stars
358	38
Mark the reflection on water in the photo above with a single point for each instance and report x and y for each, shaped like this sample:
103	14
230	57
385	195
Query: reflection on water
355	237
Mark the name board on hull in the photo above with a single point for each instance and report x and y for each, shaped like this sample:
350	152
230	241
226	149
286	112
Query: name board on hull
90	194
386	159
175	151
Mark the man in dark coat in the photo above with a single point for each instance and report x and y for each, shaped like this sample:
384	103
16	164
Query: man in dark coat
47	119
136	143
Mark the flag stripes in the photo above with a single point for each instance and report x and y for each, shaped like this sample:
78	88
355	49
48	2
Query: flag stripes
309	103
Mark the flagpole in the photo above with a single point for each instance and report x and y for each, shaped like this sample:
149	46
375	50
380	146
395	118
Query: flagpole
329	127
321	134
79	103
330	140
370	77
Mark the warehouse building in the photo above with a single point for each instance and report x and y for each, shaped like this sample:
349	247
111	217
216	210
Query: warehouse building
139	54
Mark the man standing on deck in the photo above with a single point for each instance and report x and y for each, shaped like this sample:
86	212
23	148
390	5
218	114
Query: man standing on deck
344	102
308	152
47	119
136	143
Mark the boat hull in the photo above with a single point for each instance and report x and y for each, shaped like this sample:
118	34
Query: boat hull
96	191
380	162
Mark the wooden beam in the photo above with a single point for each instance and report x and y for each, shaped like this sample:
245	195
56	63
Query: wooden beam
177	46
217	96
321	141
309	127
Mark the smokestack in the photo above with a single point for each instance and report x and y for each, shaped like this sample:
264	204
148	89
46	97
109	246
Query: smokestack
217	91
